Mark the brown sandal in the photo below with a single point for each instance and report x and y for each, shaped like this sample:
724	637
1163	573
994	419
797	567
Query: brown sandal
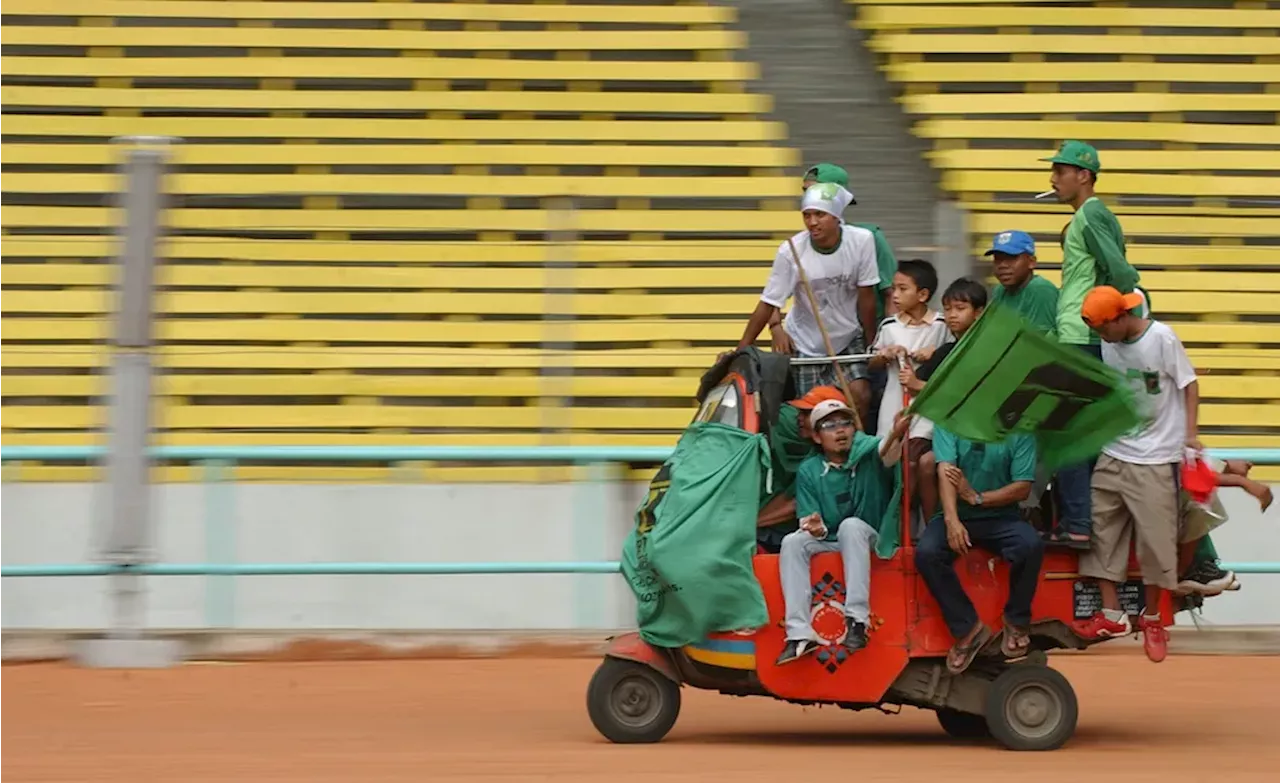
960	656
1015	642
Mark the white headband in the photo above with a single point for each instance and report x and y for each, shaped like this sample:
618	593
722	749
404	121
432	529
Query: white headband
826	197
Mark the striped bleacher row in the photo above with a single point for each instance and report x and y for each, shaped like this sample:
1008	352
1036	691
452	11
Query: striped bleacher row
1181	100
365	207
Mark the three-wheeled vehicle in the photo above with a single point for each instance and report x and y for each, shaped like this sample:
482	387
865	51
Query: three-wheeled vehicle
1023	704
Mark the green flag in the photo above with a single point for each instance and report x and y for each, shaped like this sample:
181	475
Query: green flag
1004	377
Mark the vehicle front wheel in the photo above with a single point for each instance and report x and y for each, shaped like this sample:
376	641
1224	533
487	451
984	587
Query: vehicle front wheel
963	725
629	702
1031	708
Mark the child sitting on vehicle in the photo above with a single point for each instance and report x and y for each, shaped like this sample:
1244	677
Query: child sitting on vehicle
1135	481
838	492
962	304
908	339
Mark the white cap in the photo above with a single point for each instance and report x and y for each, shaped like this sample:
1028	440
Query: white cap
826	197
824	409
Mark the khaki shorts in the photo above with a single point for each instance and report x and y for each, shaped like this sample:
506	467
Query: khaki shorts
1196	521
1129	500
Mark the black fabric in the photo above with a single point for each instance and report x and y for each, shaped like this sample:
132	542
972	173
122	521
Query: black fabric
924	371
767	374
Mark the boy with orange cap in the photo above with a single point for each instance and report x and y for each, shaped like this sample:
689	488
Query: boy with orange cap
1135	481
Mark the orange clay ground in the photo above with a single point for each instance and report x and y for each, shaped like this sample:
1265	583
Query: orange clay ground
1192	718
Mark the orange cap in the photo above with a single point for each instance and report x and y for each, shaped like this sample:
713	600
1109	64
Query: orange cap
816	395
1105	303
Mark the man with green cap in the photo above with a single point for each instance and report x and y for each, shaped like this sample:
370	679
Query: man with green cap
1093	254
886	262
886	265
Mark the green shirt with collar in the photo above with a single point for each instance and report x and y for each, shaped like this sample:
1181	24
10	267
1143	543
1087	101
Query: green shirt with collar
986	466
1036	301
837	492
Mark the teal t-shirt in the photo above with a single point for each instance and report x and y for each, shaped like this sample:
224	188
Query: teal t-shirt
1092	255
1036	301
987	466
837	492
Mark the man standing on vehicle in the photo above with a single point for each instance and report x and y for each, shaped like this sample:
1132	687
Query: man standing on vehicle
1093	254
840	264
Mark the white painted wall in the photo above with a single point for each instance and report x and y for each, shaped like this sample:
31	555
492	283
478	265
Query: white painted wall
53	523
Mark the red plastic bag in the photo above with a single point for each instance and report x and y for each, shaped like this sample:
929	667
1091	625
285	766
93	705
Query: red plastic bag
1199	479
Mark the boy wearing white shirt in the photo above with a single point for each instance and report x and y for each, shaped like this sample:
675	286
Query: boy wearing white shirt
840	262
910	337
1135	481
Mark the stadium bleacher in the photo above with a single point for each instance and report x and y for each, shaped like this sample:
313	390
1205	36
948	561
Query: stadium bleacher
364	205
1180	100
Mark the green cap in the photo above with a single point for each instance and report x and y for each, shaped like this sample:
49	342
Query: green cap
828	172
1077	153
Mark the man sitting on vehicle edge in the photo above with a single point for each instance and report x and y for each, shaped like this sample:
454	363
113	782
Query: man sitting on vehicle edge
838	492
980	486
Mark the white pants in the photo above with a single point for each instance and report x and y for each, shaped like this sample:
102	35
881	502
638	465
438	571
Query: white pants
854	539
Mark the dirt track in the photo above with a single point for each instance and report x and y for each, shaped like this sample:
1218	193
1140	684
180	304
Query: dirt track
1188	719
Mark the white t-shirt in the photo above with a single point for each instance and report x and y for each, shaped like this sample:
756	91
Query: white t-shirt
1157	369
835	278
932	332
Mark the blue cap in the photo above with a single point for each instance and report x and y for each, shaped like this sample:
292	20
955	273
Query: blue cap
1015	243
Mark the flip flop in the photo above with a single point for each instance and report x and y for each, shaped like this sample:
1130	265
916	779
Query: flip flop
1015	642
967	652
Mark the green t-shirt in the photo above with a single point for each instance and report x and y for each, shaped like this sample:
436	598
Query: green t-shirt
835	491
789	450
886	265
987	466
1037	301
1093	255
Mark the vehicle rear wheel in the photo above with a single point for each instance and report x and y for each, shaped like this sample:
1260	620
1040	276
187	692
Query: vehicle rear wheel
1031	708
963	725
629	702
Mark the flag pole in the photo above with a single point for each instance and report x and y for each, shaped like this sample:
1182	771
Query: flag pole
905	537
826	338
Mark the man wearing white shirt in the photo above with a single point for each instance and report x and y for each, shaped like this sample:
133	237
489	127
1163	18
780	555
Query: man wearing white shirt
840	263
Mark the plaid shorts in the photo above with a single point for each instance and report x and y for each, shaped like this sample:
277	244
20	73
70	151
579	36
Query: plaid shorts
808	376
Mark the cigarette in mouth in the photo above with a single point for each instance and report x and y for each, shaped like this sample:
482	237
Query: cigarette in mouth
1045	194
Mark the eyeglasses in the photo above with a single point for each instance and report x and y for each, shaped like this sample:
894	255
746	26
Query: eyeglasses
835	424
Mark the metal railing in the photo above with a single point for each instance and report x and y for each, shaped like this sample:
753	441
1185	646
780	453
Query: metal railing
218	459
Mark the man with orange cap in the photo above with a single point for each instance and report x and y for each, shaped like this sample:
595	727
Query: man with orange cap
1135	481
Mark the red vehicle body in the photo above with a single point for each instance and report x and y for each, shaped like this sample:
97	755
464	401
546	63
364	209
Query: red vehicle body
1024	704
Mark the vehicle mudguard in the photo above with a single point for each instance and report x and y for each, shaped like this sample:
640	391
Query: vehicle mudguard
630	647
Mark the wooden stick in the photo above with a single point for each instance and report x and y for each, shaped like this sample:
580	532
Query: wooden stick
826	338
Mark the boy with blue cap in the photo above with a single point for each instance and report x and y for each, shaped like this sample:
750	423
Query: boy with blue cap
1034	297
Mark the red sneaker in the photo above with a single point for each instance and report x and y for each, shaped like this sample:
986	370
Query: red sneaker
1155	639
1099	627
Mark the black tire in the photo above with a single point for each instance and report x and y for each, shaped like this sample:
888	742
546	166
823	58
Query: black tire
629	702
1031	708
964	725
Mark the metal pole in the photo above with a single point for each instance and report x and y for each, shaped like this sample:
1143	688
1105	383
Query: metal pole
127	538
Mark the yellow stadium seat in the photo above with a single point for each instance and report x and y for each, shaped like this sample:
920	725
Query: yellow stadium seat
190	128
403	100
1060	72
418	155
1233	45
1192	185
1118	160
470	220
392	67
368	9
1052	131
1090	102
891	15
418	185
428	40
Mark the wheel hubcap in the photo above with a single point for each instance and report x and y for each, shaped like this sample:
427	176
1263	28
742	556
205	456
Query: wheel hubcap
636	701
1034	710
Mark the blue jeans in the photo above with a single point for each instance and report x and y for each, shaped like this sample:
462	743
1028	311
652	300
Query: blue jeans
1008	536
1073	483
